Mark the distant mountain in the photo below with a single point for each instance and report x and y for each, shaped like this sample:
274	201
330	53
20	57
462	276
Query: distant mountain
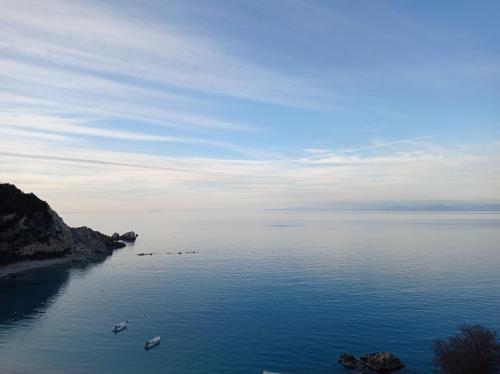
445	208
31	230
409	207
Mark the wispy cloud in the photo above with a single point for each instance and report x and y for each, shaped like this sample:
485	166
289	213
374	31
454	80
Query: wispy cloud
81	69
324	156
87	161
422	172
37	135
51	33
54	125
81	93
120	103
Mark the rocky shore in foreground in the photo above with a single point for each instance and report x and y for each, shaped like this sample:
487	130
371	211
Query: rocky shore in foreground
380	362
34	235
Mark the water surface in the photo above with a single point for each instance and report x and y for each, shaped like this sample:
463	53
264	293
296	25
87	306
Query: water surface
282	291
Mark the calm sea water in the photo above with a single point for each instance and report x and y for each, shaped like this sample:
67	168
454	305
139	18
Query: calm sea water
281	291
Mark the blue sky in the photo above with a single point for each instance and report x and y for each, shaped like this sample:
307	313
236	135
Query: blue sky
247	104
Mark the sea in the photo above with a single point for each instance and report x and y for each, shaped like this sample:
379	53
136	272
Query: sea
283	291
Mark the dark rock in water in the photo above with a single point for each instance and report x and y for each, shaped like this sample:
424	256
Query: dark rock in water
144	254
129	236
382	362
115	237
31	230
347	360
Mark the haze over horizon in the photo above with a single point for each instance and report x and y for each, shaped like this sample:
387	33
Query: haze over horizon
117	106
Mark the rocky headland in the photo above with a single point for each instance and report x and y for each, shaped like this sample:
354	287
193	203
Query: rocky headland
30	231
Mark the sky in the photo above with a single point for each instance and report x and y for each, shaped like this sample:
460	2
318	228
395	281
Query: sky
249	105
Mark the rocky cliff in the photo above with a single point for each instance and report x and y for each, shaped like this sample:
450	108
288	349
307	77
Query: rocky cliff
31	230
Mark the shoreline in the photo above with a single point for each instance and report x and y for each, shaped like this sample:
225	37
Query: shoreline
25	266
34	236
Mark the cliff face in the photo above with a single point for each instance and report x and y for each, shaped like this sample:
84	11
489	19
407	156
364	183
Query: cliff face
31	230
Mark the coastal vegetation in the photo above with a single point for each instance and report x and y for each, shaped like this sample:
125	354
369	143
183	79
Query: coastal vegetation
475	349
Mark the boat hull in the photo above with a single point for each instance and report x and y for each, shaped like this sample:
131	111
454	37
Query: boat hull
151	343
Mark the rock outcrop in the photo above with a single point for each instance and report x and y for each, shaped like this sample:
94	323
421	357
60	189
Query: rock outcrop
129	236
91	243
31	230
382	362
347	360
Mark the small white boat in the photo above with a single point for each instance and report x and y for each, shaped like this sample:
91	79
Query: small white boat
120	327
152	342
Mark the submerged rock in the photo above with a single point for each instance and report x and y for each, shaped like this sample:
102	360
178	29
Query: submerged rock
347	360
129	236
381	361
31	230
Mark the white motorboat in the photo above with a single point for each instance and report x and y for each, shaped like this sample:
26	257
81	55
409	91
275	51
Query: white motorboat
152	342
120	327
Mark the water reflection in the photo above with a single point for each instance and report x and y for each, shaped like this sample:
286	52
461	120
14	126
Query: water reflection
28	295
